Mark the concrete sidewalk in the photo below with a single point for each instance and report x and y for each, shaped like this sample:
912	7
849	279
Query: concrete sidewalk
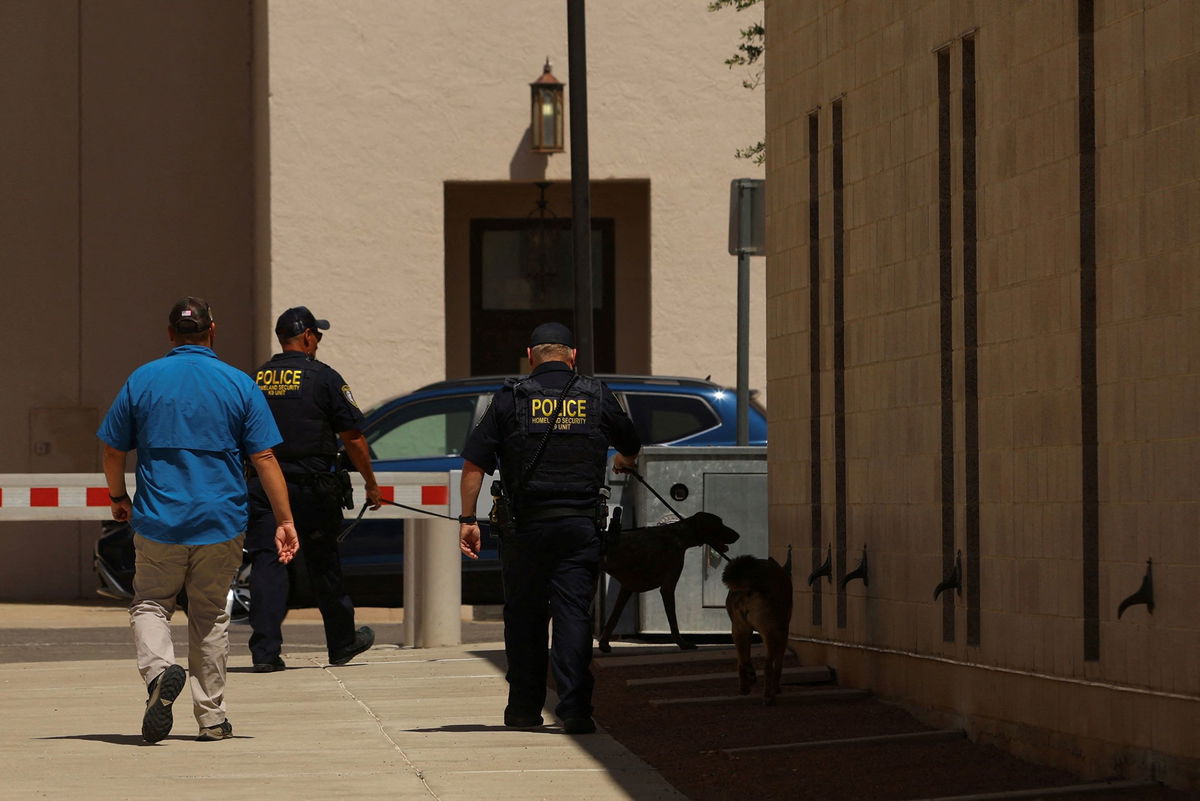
395	724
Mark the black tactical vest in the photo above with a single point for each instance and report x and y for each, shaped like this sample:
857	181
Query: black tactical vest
572	464
291	385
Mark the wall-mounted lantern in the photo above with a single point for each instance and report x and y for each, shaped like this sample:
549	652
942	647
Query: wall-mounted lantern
546	105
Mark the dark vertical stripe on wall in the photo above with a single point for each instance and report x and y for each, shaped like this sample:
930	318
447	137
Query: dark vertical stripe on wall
946	290
814	350
970	345
1087	331
839	365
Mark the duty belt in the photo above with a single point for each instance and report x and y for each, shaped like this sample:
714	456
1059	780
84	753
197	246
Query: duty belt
551	513
306	479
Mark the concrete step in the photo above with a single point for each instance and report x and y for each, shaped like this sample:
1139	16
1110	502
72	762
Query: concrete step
935	736
806	675
665	655
803	697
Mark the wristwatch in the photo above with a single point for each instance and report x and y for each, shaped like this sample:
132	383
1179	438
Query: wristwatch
470	520
124	496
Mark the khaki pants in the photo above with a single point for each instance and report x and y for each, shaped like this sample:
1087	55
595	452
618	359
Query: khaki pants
160	572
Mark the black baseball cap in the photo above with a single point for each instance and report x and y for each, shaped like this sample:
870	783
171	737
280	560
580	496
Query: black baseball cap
296	320
551	334
190	315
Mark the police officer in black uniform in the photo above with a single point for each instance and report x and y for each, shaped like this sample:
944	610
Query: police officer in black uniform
550	433
313	407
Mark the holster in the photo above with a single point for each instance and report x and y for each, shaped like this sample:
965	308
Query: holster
602	508
501	516
609	527
347	489
335	486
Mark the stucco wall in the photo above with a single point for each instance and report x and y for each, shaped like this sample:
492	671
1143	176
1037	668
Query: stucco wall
1069	459
376	104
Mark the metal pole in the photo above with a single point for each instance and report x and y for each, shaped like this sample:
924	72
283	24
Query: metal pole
432	583
581	204
743	349
412	545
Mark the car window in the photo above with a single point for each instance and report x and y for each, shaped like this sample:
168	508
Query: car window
425	429
664	417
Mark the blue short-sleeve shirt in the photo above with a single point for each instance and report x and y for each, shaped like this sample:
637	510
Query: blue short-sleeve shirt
191	418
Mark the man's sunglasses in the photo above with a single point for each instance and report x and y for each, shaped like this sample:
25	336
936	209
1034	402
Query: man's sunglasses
317	334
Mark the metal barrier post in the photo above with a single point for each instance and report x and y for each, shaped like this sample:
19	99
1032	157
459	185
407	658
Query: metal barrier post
412	544
433	576
432	583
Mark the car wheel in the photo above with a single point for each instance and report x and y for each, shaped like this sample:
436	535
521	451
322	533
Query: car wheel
237	602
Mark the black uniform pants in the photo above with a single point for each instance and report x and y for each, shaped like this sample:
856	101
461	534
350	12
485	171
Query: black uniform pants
318	519
549	570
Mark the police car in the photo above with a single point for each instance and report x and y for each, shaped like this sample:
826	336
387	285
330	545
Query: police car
424	431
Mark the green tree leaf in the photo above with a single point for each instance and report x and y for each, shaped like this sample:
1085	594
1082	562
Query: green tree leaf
748	54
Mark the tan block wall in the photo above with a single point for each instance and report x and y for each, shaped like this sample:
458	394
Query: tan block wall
880	60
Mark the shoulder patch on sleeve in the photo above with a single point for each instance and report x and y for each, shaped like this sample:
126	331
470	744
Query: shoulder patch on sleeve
349	395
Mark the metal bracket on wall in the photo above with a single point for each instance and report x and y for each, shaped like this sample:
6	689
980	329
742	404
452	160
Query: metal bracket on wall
952	581
859	572
826	568
1144	595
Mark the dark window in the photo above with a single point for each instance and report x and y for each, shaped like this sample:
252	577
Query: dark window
667	418
422	430
522	276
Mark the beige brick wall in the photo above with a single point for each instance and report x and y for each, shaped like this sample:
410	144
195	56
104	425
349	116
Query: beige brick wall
1027	683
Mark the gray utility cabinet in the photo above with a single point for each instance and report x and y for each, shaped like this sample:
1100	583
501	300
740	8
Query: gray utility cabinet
730	482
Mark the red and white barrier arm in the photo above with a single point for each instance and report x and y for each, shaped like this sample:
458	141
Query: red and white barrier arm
84	496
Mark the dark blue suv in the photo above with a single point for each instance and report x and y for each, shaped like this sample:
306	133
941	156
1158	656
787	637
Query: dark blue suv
425	431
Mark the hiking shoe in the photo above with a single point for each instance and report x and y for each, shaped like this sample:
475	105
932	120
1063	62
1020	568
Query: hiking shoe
579	726
269	667
364	638
162	691
515	720
222	731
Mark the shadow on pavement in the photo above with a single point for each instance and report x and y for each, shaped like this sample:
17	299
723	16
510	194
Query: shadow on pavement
476	727
249	669
130	739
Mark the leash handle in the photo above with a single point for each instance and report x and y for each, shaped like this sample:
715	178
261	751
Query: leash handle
346	531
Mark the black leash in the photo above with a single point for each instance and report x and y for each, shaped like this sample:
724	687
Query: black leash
367	505
663	500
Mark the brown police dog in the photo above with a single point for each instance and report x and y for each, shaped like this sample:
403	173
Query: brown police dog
647	558
760	599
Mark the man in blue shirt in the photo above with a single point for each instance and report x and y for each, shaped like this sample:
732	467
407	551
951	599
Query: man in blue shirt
192	418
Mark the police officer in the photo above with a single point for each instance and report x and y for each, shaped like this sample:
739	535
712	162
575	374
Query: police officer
313	406
550	433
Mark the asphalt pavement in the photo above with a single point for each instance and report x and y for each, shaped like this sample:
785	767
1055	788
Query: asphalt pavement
396	723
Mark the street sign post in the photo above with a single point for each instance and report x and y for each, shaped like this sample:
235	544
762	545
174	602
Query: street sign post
747	237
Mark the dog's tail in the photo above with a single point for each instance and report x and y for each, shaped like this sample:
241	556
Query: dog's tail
740	573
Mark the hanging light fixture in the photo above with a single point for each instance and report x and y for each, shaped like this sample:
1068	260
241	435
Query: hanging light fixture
540	240
546	107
